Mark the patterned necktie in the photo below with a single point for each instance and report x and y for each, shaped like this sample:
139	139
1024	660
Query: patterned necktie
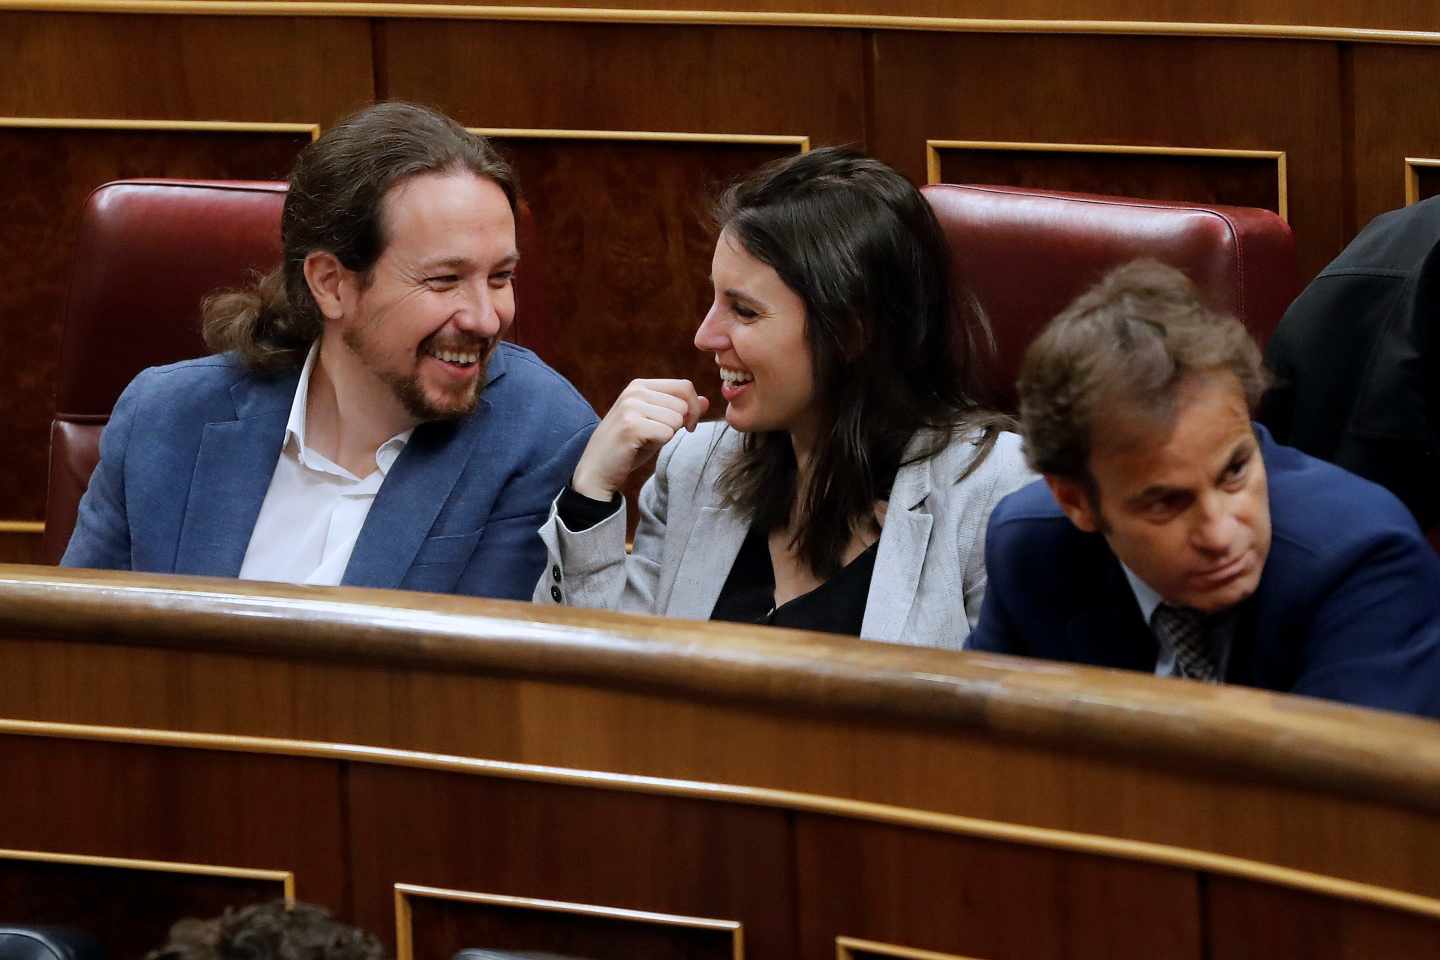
1183	631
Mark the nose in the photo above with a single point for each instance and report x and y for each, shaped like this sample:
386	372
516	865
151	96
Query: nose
711	337
484	311
1214	529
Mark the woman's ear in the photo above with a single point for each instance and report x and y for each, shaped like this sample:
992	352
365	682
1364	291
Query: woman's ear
326	277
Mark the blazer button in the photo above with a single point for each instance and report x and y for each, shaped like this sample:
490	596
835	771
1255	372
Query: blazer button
555	594
555	572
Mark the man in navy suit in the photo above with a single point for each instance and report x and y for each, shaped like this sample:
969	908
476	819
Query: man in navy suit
1172	535
362	421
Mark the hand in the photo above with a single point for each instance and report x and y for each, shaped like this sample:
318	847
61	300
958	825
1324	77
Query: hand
644	418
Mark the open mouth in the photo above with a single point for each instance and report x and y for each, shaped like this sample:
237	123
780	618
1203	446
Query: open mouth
734	382
458	360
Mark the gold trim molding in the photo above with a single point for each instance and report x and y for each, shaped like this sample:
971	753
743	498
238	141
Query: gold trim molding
726	18
933	148
845	948
1043	837
1412	176
22	526
642	136
404	928
186	126
283	877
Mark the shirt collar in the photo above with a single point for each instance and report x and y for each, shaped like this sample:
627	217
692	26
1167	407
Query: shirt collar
385	456
1145	595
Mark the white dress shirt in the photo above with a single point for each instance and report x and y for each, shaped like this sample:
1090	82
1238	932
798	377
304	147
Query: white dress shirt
314	509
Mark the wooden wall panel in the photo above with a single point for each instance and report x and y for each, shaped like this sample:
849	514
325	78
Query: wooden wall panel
300	70
1239	181
1164	92
53	171
1251	921
981	898
129	910
1427	182
1396	114
1379	14
633	851
222	809
440	927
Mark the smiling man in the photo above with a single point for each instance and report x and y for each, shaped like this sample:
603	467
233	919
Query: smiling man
1170	534
362	421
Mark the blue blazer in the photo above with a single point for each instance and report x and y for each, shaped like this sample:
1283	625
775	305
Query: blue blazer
1348	606
186	460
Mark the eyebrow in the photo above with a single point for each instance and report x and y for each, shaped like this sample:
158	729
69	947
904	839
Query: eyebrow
1243	450
452	263
734	294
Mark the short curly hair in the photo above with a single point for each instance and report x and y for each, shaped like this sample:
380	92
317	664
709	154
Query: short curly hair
1126	344
269	931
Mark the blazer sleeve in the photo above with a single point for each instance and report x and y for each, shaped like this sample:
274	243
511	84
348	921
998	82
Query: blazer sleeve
590	568
101	539
1375	637
1005	471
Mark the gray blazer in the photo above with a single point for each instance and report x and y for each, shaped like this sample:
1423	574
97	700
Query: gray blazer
932	545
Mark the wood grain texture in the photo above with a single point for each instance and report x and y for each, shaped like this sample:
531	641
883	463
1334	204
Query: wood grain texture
1385	14
1279	780
665	855
130	911
53	172
1251	922
1145	92
1396	114
981	899
1235	181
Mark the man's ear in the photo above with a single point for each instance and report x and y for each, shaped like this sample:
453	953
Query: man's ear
1074	498
326	277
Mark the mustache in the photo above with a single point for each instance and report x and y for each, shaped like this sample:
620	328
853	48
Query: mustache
452	344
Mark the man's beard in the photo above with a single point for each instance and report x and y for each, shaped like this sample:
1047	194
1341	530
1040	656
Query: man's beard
411	394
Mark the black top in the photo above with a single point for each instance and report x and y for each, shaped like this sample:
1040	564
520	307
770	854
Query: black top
748	596
836	606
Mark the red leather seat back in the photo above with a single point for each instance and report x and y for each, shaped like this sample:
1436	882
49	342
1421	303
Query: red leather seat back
148	253
1027	253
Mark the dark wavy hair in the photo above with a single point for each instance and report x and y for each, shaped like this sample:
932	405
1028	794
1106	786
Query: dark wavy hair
335	203
269	931
896	349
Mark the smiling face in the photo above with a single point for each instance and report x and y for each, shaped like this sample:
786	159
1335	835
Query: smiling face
440	296
1183	505
756	330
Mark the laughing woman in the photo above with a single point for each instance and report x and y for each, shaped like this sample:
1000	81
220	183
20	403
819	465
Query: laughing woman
848	487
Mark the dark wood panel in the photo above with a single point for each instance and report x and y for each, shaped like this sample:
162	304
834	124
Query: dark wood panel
129	911
180	806
611	77
982	898
441	927
1252	921
1396	114
1238	181
1427	183
306	70
1380	14
18	547
666	855
52	172
1167	92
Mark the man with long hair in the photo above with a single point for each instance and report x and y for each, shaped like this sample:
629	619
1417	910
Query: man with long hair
361	422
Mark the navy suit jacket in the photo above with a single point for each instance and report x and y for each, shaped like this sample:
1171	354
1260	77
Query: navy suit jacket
186	461
1347	608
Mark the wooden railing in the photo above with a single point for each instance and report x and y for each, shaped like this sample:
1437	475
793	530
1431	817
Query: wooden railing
525	772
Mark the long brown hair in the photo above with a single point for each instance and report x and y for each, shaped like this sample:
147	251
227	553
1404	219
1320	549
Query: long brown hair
894	350
335	203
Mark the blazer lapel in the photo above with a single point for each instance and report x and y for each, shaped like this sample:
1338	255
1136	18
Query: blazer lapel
710	552
903	541
232	474
1112	633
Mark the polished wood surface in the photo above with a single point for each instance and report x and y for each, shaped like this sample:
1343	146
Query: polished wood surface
805	786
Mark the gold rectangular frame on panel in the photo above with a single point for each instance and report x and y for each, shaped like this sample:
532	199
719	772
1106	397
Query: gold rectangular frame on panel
933	148
37	527
283	877
1412	176
404	936
634	136
845	948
